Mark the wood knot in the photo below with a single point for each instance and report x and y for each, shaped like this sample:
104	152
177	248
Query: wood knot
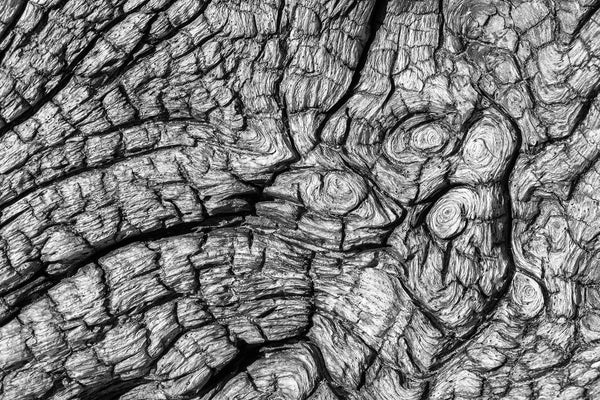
334	192
526	295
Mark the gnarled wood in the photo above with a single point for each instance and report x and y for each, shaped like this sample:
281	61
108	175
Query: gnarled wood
299	199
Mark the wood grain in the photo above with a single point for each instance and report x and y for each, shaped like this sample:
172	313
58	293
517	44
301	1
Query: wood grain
294	199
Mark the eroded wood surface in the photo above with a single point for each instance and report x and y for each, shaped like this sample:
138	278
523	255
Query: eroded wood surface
299	199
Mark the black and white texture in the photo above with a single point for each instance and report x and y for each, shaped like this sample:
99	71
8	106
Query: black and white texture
299	199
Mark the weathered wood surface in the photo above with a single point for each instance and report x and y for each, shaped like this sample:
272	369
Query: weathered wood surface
299	199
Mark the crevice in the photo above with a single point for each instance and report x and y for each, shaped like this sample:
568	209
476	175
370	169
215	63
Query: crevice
426	391
370	361
584	20
431	317
585	109
582	113
446	262
279	99
338	392
441	26
377	17
581	174
248	354
113	392
431	200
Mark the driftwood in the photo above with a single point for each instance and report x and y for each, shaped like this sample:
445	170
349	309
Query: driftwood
299	199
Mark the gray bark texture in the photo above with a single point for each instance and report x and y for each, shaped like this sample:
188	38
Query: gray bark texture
299	199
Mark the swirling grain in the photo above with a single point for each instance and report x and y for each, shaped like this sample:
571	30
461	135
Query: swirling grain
333	192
